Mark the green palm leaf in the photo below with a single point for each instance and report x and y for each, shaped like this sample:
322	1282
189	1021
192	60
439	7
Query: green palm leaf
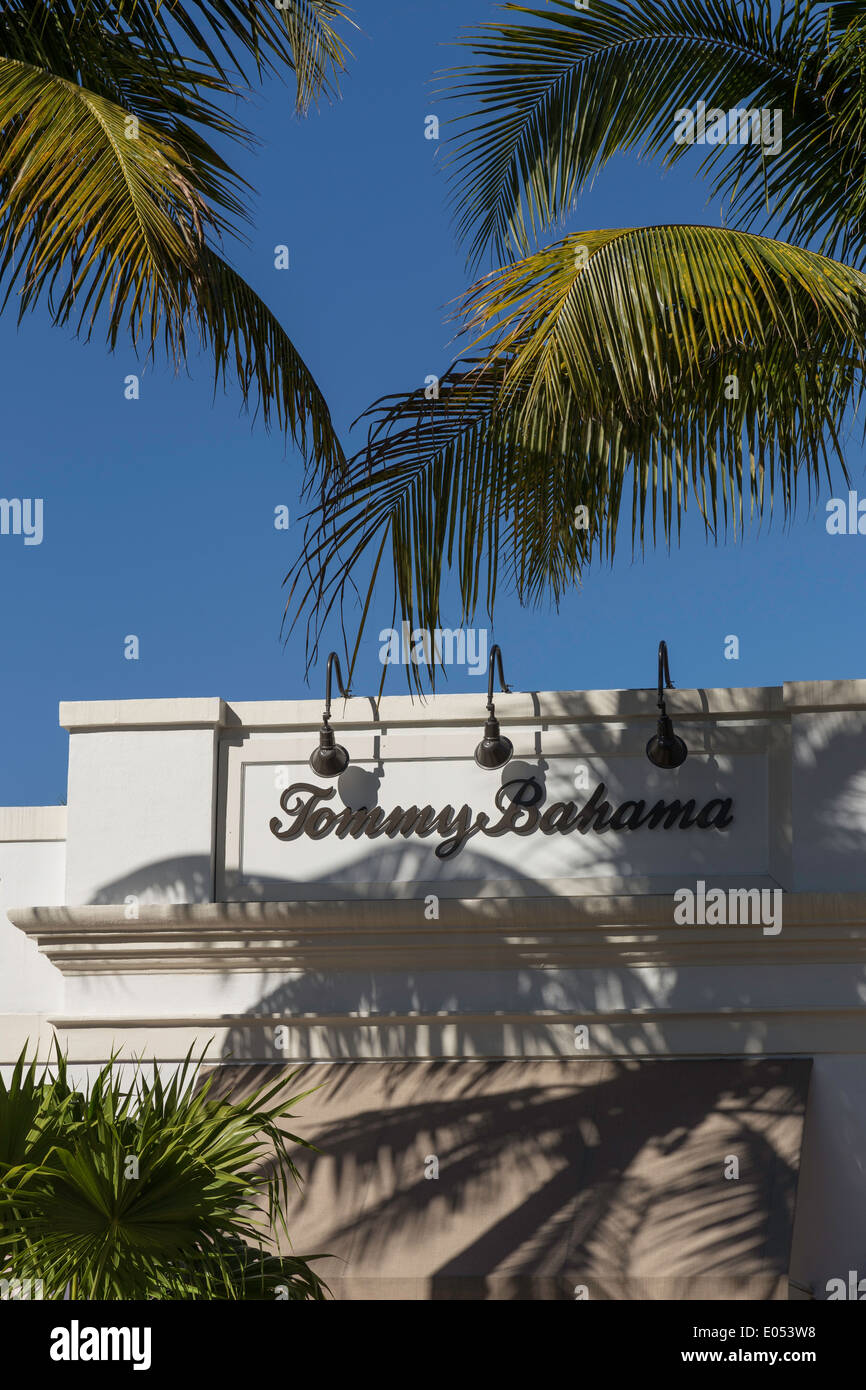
114	203
552	98
234	38
185	1221
244	334
665	361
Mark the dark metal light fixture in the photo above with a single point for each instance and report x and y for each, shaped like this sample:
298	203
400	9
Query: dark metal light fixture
330	759
494	750
665	749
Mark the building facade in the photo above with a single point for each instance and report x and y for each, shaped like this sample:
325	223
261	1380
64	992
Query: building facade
581	1026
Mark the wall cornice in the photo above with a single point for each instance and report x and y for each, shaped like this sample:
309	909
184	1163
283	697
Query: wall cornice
471	934
548	707
32	823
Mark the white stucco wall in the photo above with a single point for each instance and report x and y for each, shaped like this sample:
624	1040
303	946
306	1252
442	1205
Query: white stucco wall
142	805
829	800
32	869
830	1225
169	805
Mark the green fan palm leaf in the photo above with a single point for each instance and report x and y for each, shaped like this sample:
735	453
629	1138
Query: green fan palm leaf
148	1190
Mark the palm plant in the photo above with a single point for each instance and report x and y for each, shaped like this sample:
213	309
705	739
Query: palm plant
152	1190
618	371
115	203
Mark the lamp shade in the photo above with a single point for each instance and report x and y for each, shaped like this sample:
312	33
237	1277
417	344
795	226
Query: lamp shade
330	758
494	750
666	749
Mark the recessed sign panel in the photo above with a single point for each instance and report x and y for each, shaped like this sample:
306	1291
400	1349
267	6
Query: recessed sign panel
522	828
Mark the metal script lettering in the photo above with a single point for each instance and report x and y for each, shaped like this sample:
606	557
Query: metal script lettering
517	803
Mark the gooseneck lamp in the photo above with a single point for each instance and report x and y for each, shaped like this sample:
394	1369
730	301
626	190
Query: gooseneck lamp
665	749
330	759
494	750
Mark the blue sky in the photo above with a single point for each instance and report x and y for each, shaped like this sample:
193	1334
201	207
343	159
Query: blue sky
158	513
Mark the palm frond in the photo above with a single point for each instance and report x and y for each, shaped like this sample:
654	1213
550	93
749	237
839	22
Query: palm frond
319	54
113	229
664	362
552	98
245	337
80	194
229	35
623	315
184	1220
302	35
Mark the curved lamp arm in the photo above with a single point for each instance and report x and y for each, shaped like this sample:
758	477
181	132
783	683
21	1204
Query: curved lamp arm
495	657
495	749
665	682
333	660
666	749
330	758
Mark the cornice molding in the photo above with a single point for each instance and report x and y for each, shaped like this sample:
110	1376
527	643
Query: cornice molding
520	707
364	1034
32	823
471	934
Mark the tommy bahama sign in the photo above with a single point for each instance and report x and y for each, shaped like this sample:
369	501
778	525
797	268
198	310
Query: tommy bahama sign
517	803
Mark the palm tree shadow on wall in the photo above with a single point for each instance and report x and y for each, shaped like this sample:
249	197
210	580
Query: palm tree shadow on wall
361	1001
546	1181
585	1210
552	1173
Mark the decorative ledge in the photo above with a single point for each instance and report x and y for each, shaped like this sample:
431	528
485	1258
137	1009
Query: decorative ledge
520	707
280	1036
32	823
471	934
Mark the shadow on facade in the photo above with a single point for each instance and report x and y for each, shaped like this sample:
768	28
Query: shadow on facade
550	1175
186	879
